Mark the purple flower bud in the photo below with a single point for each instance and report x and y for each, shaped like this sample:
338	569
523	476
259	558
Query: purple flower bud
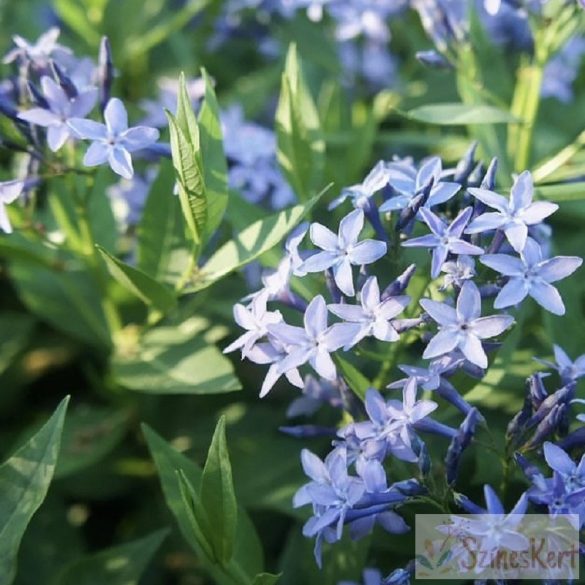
466	165
517	424
105	72
36	96
489	180
459	443
536	389
547	426
399	284
64	81
529	469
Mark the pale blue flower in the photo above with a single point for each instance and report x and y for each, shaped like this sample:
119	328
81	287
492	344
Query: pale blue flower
408	183
113	141
39	52
373	315
255	319
61	109
458	271
444	239
314	342
569	370
343	250
463	327
360	193
531	275
513	216
10	191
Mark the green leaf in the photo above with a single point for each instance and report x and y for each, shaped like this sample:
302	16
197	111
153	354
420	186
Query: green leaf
89	435
68	300
148	290
217	495
354	378
161	232
120	565
175	360
215	170
266	579
186	152
247	555
24	482
562	192
301	147
251	242
458	114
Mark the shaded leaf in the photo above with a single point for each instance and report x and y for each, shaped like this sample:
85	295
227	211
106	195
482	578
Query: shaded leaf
217	495
175	360
149	291
215	170
24	482
301	147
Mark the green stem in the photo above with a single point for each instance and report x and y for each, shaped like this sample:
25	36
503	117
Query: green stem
530	83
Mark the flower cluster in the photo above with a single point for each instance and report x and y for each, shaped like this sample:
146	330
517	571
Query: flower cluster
465	218
49	98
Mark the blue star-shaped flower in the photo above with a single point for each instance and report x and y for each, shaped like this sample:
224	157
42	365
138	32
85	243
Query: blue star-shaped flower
444	238
514	216
531	275
113	141
343	250
463	327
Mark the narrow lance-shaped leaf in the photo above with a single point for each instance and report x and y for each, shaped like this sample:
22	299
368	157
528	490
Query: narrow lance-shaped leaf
24	482
217	495
186	151
148	290
215	170
460	114
301	146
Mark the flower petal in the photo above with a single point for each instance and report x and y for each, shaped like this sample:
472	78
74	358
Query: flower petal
366	252
97	154
486	222
439	312
39	116
57	136
504	264
537	212
559	267
521	193
491	199
350	227
343	276
486	327
319	262
315	318
116	117
469	302
557	459
443	342
548	297
323	237
121	162
472	349
88	129
138	138
513	292
516	234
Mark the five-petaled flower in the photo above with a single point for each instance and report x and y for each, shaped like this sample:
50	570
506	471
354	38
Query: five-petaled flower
113	141
444	238
513	216
531	275
315	341
343	250
374	315
62	108
463	327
